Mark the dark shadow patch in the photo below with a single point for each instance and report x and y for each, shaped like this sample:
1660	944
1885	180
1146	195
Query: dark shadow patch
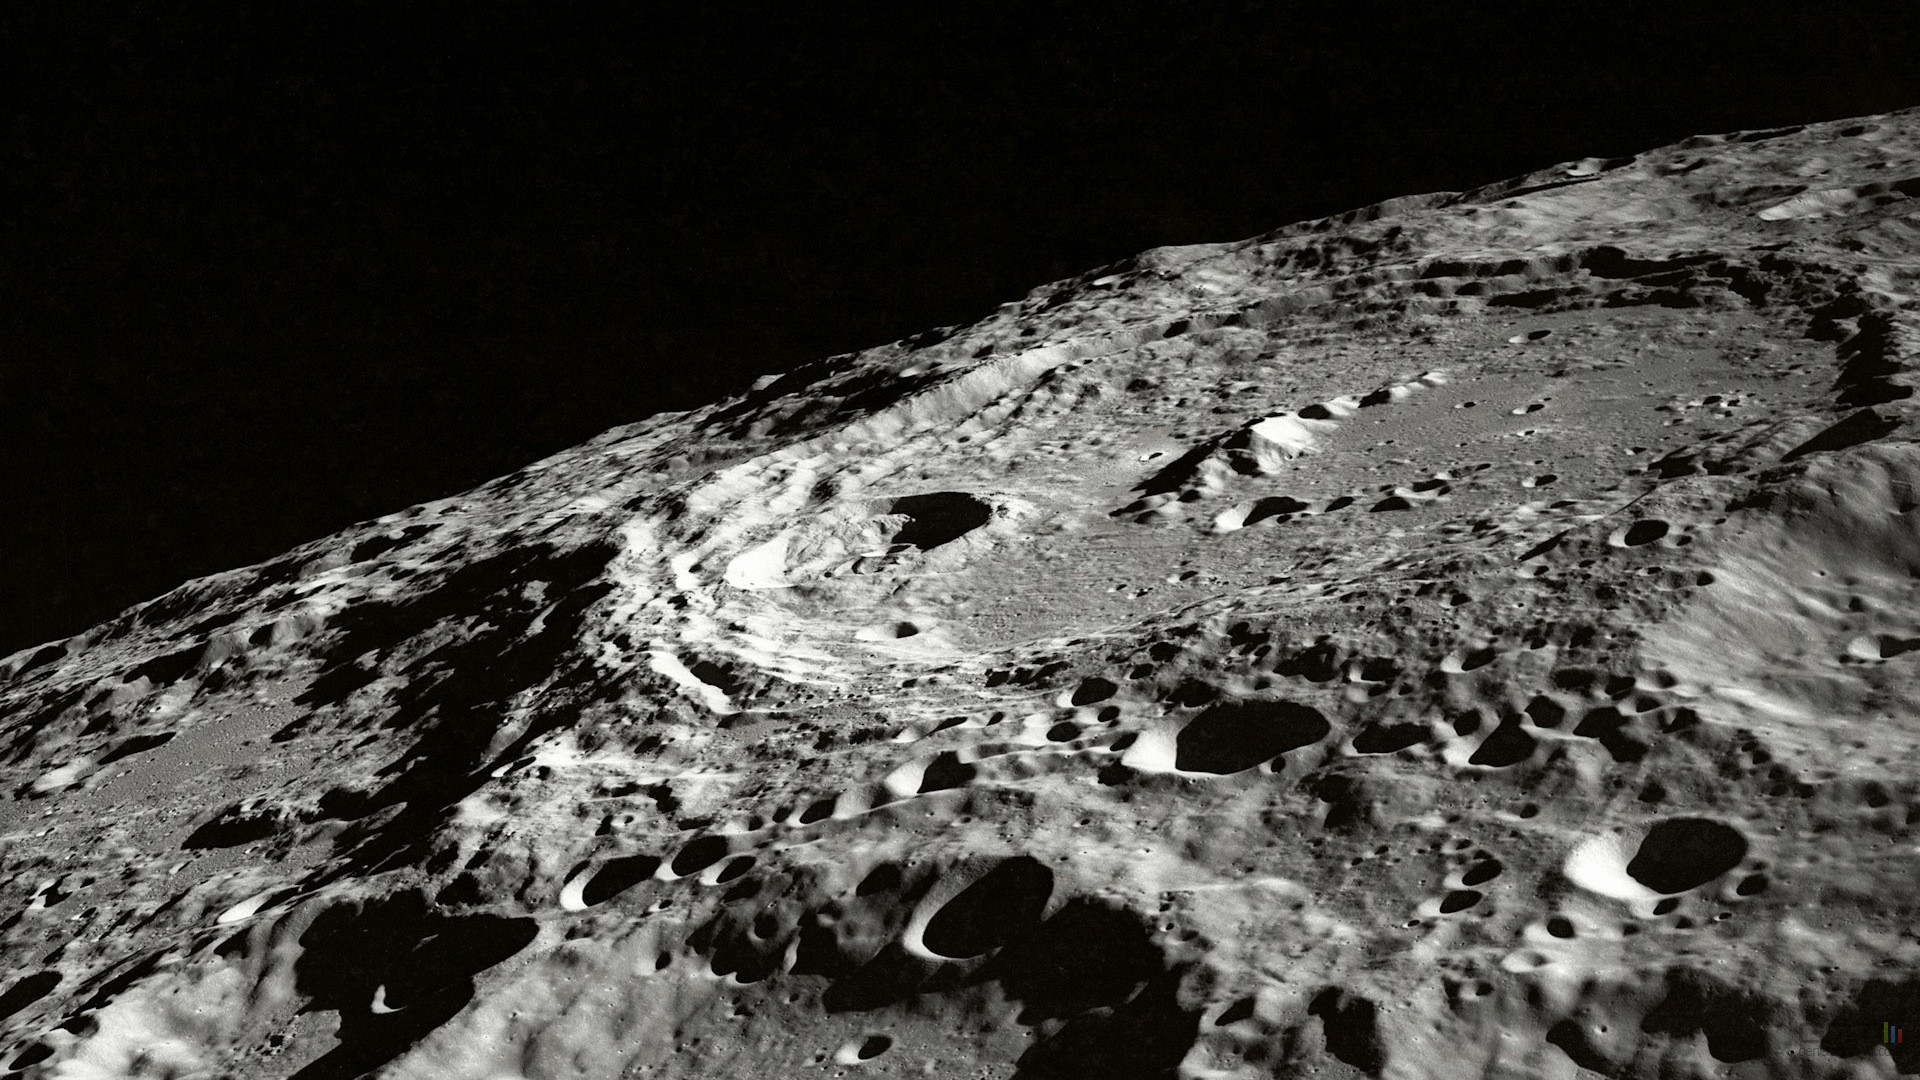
1734	1021
465	890
1352	1029
162	670
700	854
714	675
1234	736
1509	744
1534	298
1094	690
1676	464
1459	900
1236	1012
1192	693
1142	1038
1478	659
616	876
1860	427
46	655
1610	728
1685	853
1088	955
32	1055
986	914
891	976
426	962
139	744
120	982
1869	358
883	878
344	804
1571	1036
235	826
736	948
1546	712
819	810
1351	801
1859	1027
1390	738
451	694
25	725
1177	472
1614	263
27	991
1542	547
1319	663
824	392
1481	872
947	771
488	592
1576	680
1643	532
938	517
855	941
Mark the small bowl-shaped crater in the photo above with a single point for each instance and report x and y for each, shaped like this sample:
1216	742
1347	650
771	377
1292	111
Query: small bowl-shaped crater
1640	533
616	876
1481	872
863	1049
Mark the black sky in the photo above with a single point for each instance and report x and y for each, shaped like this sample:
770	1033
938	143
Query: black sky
270	269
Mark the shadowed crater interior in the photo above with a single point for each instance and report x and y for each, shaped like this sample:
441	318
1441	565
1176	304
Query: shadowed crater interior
1233	736
617	876
989	912
944	772
700	854
938	517
1352	1030
1685	853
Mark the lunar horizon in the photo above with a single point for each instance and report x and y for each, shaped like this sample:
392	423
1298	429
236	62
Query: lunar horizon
1471	634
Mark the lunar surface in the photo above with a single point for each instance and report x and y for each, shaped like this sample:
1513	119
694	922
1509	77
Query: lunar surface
1471	636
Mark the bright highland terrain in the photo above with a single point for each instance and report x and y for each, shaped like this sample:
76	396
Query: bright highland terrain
1475	635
